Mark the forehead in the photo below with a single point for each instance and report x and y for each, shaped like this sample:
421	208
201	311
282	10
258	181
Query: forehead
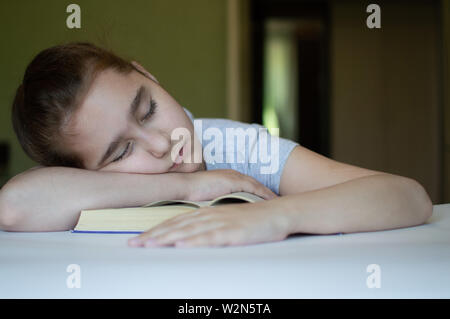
102	112
107	94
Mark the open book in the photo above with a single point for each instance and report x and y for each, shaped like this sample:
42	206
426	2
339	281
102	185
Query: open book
139	219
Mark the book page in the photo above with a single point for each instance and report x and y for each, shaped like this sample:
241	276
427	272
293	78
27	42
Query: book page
238	197
178	202
228	198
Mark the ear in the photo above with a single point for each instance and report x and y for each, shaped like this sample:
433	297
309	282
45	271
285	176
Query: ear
142	70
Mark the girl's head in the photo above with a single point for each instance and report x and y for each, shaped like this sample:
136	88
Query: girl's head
82	106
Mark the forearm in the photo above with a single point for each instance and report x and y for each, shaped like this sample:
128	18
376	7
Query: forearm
369	203
51	198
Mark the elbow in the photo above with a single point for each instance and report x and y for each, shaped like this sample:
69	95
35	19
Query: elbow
428	210
9	217
424	205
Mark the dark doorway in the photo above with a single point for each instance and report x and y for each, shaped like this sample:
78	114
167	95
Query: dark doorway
290	69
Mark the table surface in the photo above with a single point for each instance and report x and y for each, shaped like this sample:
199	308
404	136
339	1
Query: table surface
412	263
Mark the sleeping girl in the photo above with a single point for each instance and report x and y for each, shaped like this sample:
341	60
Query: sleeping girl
107	134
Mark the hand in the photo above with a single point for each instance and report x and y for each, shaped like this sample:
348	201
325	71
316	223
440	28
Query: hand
207	185
223	225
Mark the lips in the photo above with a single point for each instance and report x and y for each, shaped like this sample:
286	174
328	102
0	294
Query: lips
179	158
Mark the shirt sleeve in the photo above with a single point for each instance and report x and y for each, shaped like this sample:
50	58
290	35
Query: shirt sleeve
273	152
247	148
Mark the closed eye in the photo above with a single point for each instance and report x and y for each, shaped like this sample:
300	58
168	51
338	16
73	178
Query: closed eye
151	110
124	153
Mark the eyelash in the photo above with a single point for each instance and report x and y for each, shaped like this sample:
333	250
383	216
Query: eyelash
123	154
151	111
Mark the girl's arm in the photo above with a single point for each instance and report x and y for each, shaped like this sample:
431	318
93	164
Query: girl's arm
334	197
320	196
51	198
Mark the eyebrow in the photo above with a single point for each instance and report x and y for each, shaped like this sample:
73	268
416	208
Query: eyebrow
116	142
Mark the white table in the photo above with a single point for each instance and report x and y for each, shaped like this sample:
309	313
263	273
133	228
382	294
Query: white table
413	262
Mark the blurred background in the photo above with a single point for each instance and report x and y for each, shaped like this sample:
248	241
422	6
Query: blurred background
375	98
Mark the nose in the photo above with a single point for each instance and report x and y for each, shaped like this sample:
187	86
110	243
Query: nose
154	141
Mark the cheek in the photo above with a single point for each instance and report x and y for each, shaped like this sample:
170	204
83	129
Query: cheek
141	163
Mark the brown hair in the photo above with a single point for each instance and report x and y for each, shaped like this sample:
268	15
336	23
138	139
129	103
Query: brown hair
54	84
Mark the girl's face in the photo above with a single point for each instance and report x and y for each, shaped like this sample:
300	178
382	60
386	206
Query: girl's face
125	124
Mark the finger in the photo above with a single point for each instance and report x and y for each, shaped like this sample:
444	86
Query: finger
264	192
170	222
260	189
269	194
160	230
216	237
181	233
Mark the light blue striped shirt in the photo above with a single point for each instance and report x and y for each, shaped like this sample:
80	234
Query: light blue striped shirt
246	148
